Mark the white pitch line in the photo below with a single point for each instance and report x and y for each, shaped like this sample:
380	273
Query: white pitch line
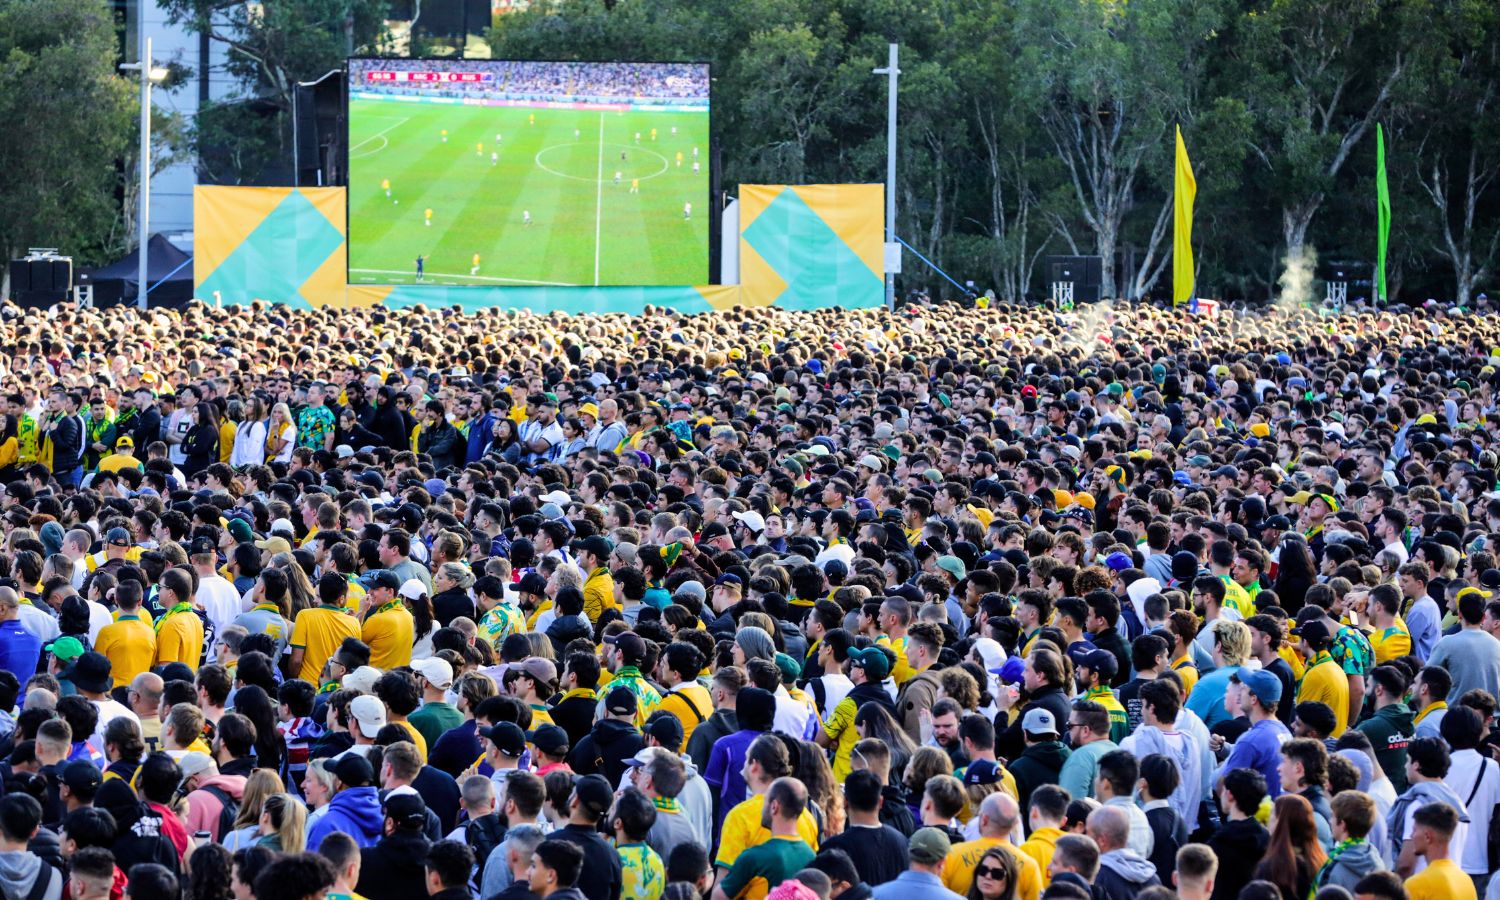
429	275
599	203
377	134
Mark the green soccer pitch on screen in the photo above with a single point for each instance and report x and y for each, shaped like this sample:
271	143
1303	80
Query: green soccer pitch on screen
490	172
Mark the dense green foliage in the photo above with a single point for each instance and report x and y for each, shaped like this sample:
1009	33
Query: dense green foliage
1031	127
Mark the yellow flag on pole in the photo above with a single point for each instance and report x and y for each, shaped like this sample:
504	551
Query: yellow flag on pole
1185	192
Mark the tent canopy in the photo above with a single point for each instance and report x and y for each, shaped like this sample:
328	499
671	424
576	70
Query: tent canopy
169	270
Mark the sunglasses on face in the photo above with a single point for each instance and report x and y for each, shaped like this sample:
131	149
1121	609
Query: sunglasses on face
996	873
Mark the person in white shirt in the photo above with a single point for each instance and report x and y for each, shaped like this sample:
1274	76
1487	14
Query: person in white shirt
215	594
1476	778
75	547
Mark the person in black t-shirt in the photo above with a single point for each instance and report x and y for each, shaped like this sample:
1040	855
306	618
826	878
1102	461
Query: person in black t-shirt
879	851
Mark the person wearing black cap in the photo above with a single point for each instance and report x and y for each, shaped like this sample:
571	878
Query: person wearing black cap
603	876
1095	669
355	806
394	868
607	749
599	588
624	653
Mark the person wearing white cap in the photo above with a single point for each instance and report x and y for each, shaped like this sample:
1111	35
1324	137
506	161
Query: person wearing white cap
366	718
436	715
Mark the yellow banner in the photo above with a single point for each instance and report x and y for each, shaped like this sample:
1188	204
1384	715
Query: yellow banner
1185	192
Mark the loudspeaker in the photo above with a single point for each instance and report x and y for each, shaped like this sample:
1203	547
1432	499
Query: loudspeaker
1084	272
20	276
61	272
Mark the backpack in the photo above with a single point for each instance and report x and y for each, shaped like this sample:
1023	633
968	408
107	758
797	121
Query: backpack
43	882
227	813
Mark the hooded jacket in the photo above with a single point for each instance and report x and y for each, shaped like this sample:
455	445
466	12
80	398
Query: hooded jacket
1123	874
450	604
204	807
19	871
606	748
1239	845
710	731
1357	861
1416	797
1181	749
354	811
1039	765
1390	730
1010	743
395	868
565	629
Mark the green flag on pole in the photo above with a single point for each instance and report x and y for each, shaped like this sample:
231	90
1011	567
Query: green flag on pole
1383	213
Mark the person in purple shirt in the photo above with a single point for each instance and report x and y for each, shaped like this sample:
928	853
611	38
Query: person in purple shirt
755	709
19	648
1259	748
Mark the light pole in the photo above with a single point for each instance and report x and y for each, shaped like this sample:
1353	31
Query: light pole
892	249
149	74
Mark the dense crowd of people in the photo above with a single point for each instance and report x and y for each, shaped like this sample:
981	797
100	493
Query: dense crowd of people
995	604
561	80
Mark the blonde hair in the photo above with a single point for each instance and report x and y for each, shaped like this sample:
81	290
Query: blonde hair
288	820
1234	641
259	787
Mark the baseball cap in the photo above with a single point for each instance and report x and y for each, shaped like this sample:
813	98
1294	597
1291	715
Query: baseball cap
632	645
953	566
119	537
929	846
621	702
751	520
193	763
438	672
407	810
873	660
201	546
274	545
239	529
380	578
1265	686
353	770
369	713
125	440
1039	721
982	771
551	739
361	679
80	774
1315	631
538	668
412	588
507	737
1101	662
532	583
790	669
66	649
594	793
667	729
595	544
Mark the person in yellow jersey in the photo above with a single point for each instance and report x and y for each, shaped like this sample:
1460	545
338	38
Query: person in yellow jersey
474	267
1433	827
895	618
179	631
388	626
1390	638
427	216
385	185
444	135
122	458
129	642
532	681
599	590
766	761
317	633
399	692
685	698
998	815
1324	680
781	855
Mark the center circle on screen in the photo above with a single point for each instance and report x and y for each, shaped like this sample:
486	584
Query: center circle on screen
631	168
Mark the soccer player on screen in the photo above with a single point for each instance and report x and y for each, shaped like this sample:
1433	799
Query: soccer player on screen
427	216
637	137
653	134
531	119
420	263
526	217
385	185
695	167
618	173
445	135
635	185
687	211
494	158
695	153
478	149
475	269
679	159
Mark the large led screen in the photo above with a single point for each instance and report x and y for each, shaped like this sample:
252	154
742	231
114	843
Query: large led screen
491	172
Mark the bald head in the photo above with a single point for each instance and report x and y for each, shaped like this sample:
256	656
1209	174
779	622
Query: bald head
1109	826
147	688
998	815
10	603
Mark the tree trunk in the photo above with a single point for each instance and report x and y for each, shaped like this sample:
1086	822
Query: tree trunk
1295	221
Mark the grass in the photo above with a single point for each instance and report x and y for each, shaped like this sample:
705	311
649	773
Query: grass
560	165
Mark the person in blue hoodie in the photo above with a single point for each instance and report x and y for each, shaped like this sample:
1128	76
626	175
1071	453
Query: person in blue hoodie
355	808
